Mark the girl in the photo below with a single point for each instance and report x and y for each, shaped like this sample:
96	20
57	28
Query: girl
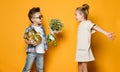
85	29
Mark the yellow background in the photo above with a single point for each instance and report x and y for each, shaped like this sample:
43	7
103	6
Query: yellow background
14	20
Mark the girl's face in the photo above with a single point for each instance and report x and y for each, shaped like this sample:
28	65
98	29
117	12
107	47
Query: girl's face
37	18
79	15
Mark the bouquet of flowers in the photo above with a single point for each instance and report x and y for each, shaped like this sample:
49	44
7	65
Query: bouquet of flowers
32	34
55	26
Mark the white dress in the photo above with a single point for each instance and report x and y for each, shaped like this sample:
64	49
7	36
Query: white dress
83	50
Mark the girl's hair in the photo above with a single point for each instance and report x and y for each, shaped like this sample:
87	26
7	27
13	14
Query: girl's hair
84	9
33	11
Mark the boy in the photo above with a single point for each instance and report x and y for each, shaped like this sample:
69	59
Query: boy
35	52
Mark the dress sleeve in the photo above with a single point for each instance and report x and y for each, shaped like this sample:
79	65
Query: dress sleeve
90	27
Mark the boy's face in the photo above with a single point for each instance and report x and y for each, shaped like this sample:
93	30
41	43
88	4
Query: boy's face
37	18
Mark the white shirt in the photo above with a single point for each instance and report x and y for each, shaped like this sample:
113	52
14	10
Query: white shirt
39	47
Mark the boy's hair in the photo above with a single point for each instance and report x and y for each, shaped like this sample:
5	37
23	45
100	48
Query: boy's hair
33	11
84	9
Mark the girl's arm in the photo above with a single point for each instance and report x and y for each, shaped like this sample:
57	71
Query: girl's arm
108	34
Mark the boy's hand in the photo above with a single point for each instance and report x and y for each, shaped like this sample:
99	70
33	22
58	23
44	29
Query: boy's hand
32	42
110	35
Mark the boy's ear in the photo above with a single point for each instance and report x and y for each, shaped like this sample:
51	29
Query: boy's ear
32	19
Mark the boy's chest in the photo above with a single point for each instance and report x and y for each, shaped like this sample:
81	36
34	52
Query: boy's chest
38	30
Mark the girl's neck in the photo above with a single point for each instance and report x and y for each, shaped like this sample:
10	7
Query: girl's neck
83	19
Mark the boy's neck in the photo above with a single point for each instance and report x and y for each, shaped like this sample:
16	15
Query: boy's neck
36	24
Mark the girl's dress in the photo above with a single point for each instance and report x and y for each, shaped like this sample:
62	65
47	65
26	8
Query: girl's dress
83	50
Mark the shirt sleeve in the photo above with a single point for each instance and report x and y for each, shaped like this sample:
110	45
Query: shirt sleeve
26	31
44	38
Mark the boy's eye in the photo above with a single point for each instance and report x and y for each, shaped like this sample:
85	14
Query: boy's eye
40	17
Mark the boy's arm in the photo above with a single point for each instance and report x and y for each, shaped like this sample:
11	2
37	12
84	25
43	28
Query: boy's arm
26	40
30	42
108	34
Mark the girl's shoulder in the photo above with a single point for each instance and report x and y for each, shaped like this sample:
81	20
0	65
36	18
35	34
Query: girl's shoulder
88	21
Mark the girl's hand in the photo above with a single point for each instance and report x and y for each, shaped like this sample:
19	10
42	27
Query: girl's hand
110	36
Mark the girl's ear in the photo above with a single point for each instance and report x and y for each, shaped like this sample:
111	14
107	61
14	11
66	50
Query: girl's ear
81	14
